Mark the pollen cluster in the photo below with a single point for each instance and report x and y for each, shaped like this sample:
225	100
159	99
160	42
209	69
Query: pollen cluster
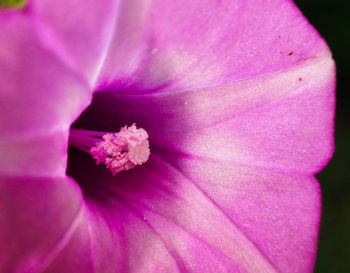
122	151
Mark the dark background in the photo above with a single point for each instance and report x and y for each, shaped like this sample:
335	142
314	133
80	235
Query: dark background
332	20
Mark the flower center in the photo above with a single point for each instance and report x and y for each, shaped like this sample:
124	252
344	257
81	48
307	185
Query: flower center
118	151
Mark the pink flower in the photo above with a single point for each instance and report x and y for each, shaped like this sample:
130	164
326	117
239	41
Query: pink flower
236	100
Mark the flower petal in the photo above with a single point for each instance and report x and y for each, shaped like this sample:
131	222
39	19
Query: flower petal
211	217
281	121
49	63
94	246
214	211
79	32
37	218
46	226
39	98
279	212
165	45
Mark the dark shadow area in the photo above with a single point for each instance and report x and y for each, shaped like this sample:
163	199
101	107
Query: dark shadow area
109	112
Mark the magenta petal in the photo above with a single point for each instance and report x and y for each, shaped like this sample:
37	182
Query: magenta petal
48	64
79	32
93	247
243	214
279	212
209	218
39	99
281	121
37	219
166	45
238	122
45	226
293	132
150	236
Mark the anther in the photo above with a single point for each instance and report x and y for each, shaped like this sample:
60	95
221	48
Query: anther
118	151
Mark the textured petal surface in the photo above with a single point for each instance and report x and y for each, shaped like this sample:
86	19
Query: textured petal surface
279	212
163	44
237	97
282	121
208	217
229	187
37	218
39	98
194	221
45	226
79	32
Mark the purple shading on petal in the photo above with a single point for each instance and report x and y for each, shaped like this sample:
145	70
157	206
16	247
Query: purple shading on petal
237	98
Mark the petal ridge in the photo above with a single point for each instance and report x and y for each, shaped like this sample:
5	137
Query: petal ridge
62	241
178	171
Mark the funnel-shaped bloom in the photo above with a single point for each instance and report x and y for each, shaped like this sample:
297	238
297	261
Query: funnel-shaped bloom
233	106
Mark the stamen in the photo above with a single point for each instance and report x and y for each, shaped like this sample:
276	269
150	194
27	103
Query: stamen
118	151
